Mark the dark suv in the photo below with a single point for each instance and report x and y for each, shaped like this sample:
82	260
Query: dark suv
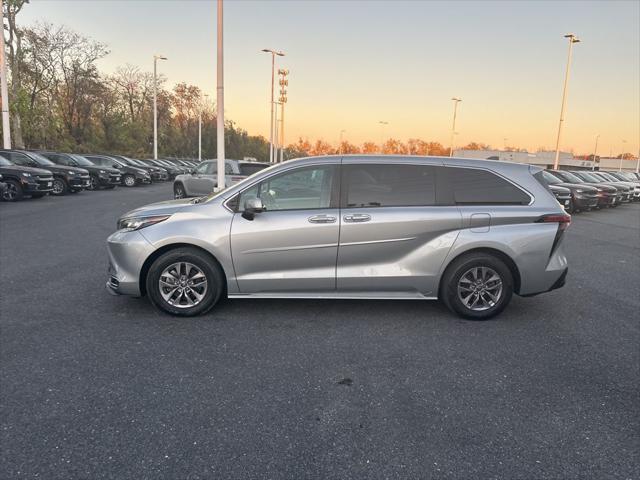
130	176
583	196
21	181
158	174
65	179
99	176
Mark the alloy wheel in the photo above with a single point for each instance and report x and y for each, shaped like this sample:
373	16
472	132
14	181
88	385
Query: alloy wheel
480	288
93	183
129	181
178	192
182	285
10	193
58	187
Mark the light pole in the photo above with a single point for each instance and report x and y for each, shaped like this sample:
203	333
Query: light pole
572	39
621	156
273	74
284	82
595	151
382	125
340	147
200	129
220	102
6	128
155	104
456	101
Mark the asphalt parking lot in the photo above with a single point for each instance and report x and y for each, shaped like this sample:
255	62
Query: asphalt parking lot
95	386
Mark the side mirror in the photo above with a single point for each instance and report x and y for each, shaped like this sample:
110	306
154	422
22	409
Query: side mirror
251	207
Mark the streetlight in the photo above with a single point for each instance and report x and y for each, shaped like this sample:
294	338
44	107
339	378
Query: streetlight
572	39
456	101
200	129
220	163
273	73
155	104
621	156
595	151
340	146
382	125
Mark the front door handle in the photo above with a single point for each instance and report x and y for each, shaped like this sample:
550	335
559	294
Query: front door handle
357	218
322	219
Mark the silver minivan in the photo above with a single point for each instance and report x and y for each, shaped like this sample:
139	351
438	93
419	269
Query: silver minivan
468	232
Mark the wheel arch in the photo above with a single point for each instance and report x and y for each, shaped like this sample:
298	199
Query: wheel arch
144	271
508	261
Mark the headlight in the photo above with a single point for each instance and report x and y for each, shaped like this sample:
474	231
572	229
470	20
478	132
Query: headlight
136	223
71	173
25	174
102	171
579	191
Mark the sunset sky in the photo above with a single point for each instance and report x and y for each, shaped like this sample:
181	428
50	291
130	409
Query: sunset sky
354	63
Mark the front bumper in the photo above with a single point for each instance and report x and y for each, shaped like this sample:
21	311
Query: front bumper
40	185
79	182
585	201
127	252
107	180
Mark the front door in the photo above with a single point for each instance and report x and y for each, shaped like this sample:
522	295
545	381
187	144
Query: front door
201	182
292	246
394	235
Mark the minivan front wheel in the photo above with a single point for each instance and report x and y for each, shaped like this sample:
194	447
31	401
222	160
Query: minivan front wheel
477	286
184	282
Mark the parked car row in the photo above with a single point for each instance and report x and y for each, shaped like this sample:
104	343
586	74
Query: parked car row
581	190
36	173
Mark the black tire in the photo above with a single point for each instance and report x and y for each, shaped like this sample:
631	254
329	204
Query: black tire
129	180
94	183
60	186
571	208
459	268
178	191
212	272
13	192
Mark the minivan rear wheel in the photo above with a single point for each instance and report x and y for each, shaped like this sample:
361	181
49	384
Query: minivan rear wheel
477	286
184	282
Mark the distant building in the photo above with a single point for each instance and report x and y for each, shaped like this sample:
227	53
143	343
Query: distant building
543	159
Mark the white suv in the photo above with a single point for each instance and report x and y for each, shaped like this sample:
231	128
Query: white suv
204	178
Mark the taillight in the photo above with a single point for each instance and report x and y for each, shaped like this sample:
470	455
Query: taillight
562	219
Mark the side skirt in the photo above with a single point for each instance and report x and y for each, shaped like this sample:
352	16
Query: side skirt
338	295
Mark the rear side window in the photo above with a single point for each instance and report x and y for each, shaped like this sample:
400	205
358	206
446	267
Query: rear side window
251	168
480	187
391	185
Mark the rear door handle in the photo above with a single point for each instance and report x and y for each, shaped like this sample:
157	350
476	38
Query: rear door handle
357	218
322	219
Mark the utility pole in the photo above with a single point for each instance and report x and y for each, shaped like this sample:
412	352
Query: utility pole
220	102
284	82
572	39
340	147
6	127
382	124
456	101
621	156
200	129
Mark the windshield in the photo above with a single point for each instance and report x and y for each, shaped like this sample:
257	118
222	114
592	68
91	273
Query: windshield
609	177
4	162
135	162
40	160
588	177
80	160
570	177
550	179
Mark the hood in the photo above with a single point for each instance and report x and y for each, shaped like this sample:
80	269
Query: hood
559	189
96	168
581	186
19	169
160	208
134	169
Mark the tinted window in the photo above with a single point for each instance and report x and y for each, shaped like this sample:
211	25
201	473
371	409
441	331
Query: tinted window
20	159
479	187
59	159
551	179
389	185
251	168
302	189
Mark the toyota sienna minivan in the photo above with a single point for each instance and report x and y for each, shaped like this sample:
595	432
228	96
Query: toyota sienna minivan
468	232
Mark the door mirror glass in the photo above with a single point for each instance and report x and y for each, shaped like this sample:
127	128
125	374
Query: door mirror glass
251	207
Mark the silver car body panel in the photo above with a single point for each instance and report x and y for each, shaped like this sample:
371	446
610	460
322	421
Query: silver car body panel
400	252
